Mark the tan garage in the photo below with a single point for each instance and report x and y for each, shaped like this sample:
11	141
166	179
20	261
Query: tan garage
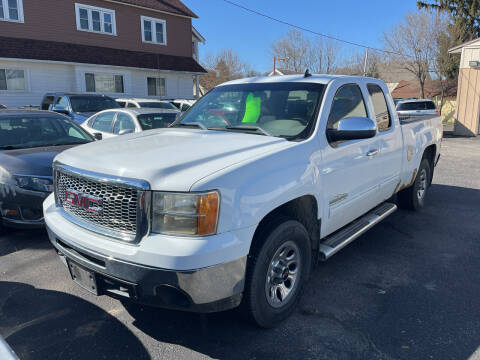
468	95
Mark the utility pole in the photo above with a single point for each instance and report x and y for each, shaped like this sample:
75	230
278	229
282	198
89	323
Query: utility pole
365	63
275	62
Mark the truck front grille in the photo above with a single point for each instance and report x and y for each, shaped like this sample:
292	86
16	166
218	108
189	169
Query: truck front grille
120	205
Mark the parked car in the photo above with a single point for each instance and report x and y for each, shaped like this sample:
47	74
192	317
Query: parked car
183	104
408	109
78	107
144	103
29	140
2	107
236	203
110	123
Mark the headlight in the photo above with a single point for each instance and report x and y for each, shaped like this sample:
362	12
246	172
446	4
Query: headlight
184	213
34	183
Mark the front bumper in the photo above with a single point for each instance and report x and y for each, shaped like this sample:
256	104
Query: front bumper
210	289
22	209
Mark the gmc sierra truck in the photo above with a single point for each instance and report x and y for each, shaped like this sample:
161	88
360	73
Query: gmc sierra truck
237	200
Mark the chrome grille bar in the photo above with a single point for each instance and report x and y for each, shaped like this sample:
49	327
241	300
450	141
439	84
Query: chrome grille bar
125	202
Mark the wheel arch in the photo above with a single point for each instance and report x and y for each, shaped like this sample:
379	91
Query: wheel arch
304	209
430	154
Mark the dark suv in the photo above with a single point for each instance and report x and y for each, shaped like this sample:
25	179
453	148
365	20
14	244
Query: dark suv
79	107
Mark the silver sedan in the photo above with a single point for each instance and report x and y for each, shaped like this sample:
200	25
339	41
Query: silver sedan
114	122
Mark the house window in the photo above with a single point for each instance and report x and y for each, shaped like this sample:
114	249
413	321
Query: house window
156	86
154	30
12	79
109	83
95	19
11	10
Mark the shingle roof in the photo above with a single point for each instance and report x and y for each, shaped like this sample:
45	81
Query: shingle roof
57	51
171	6
411	89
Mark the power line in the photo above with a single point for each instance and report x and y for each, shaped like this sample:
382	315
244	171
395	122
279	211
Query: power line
310	31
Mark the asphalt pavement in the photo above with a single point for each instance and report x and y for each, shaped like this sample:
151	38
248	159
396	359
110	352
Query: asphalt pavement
407	289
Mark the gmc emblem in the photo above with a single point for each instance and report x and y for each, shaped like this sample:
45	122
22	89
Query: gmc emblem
84	201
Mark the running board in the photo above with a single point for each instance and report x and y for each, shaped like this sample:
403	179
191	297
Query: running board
337	241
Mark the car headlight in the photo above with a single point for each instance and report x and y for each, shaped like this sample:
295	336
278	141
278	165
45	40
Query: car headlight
34	183
185	213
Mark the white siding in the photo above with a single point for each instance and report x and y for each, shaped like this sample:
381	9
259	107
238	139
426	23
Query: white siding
174	83
469	54
42	77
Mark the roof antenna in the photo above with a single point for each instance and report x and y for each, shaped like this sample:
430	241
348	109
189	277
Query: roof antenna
307	74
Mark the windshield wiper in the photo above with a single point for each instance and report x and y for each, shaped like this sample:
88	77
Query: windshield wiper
249	128
193	124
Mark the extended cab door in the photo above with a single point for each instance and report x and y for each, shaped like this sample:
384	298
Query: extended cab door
390	139
350	171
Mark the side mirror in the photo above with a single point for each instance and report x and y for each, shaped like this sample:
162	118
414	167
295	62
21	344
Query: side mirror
126	131
97	136
352	128
61	110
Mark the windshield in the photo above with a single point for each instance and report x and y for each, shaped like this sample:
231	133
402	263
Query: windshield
416	105
278	109
157	105
27	131
90	104
156	121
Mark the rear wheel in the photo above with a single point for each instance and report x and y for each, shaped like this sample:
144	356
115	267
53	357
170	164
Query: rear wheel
413	198
279	266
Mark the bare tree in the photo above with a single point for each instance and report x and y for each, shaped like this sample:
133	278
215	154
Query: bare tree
355	65
227	63
413	43
299	53
224	66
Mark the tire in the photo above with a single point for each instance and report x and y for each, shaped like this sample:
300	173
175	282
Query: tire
278	268
413	197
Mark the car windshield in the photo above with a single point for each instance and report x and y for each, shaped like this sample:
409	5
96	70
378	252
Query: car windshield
157	105
90	104
279	109
416	105
156	121
26	131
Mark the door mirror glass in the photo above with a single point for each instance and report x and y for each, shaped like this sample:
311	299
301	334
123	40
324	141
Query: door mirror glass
352	128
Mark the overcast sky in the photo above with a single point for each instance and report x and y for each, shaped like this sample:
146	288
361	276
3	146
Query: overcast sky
226	26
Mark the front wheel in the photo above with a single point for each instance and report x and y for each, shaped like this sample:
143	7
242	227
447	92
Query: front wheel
279	266
413	198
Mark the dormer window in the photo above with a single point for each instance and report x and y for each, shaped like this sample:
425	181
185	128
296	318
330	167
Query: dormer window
154	31
95	19
11	10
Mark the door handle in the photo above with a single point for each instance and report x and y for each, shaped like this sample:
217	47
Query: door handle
372	153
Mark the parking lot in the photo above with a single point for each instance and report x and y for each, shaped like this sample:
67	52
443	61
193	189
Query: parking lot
407	289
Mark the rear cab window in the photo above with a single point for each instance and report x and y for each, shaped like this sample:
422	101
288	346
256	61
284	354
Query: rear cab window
382	114
416	105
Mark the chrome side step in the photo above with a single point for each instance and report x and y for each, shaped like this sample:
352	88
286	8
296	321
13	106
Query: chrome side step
338	240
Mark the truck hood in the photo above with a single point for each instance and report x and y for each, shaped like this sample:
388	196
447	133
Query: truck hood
170	159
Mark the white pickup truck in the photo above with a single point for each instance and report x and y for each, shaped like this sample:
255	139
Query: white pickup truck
237	200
